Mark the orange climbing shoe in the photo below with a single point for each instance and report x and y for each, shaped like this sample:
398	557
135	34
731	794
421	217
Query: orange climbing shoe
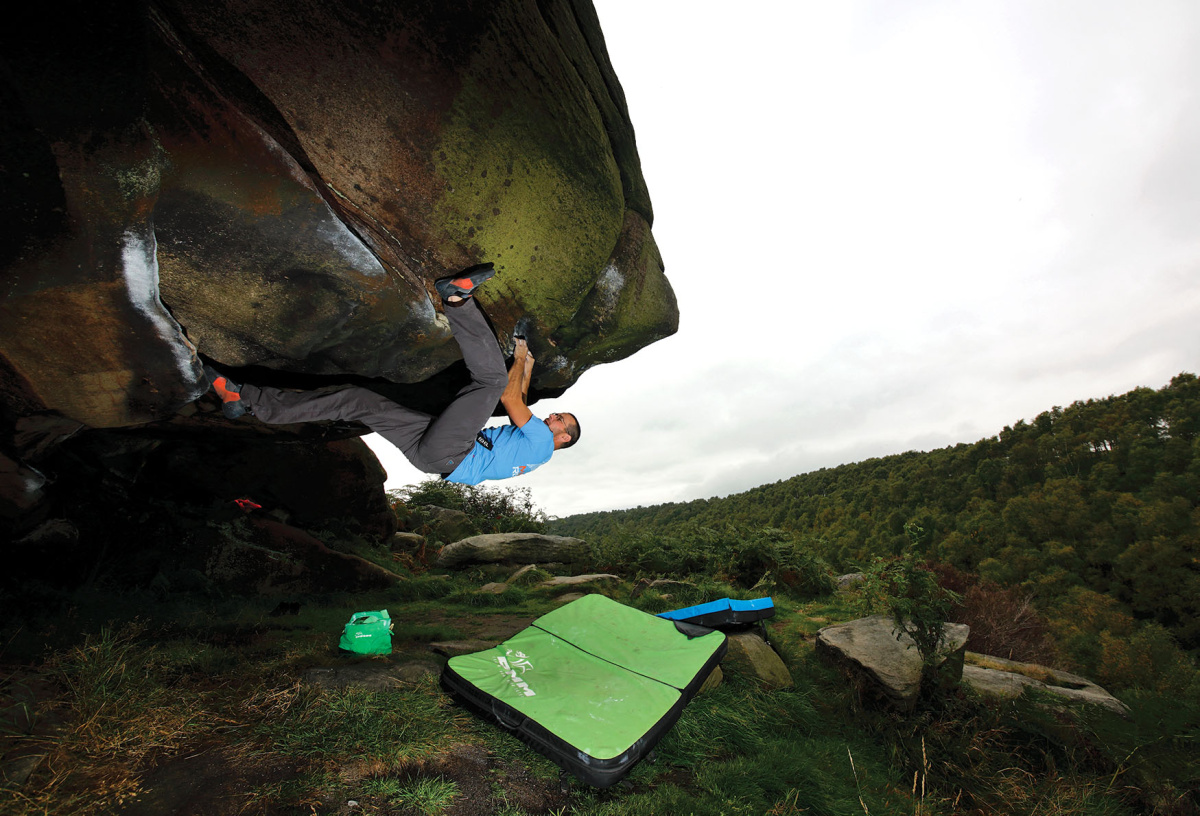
464	285
230	393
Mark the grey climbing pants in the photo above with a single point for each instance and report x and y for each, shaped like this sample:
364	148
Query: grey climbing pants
434	444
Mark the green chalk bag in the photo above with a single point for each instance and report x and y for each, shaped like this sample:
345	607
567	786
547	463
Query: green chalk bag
368	633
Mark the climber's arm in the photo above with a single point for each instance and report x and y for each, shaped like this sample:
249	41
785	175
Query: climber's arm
517	389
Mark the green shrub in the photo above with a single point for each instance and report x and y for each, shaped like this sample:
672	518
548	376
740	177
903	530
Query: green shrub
904	587
389	727
744	557
493	509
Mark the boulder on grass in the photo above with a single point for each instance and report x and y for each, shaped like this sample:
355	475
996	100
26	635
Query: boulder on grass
445	524
752	655
887	659
516	548
405	542
1007	679
850	579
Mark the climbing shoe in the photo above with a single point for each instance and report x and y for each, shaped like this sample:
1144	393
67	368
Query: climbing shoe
230	393
463	285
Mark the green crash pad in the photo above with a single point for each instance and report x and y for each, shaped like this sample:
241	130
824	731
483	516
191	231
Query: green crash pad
592	685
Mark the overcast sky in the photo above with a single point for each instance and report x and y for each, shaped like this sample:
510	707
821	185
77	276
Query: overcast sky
891	226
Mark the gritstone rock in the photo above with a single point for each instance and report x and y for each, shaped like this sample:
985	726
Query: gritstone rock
517	548
997	677
891	664
195	180
752	655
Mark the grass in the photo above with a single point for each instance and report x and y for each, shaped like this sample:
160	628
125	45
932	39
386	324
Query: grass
387	727
427	796
119	716
222	672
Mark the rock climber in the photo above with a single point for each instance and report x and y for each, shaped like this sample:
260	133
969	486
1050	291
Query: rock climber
454	443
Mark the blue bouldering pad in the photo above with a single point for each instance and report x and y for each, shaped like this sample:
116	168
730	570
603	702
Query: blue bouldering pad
725	612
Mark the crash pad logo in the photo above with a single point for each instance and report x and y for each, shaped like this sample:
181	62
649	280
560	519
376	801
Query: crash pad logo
513	664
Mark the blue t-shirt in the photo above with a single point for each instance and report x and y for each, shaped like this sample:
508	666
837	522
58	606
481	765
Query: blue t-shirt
515	451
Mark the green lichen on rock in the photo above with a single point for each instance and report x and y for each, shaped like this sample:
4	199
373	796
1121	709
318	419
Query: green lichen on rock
630	306
539	196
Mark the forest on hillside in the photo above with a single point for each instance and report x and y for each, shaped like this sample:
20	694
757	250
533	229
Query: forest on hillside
1090	510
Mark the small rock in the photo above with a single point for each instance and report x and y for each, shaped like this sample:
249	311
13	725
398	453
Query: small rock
714	679
404	542
17	771
521	573
53	533
493	588
850	579
751	654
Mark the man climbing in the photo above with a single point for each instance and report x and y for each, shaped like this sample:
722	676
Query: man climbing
451	443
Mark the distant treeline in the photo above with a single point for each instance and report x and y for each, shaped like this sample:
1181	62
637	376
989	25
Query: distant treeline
1101	496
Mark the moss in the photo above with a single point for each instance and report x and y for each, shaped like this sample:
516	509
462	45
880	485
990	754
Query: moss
532	185
631	305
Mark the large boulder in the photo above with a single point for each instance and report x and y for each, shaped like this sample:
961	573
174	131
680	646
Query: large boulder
280	187
887	659
513	548
275	187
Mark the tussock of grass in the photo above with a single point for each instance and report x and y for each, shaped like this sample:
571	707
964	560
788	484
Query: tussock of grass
512	596
388	727
120	715
423	588
733	719
532	578
426	795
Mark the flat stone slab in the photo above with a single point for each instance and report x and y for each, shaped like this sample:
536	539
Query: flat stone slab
578	580
521	573
1007	679
520	548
